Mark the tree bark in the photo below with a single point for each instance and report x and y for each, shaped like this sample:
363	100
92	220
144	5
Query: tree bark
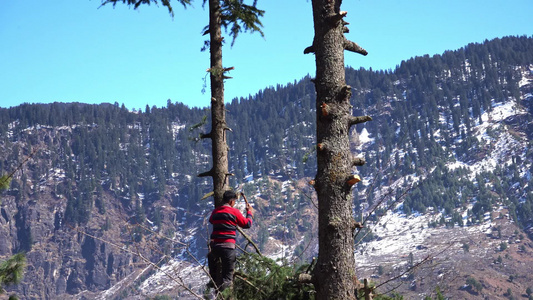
335	270
219	171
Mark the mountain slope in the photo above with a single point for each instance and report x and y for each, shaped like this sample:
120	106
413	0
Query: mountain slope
450	144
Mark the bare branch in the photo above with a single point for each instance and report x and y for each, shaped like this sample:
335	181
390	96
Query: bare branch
357	120
426	259
249	241
310	49
210	173
358	161
354	47
206	135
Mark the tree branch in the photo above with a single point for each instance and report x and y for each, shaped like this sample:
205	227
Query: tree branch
426	259
358	161
335	18
310	49
360	119
249	241
353	47
207	174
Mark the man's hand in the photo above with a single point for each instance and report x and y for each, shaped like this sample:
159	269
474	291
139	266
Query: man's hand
249	208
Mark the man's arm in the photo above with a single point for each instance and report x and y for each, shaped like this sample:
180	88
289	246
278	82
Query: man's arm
241	220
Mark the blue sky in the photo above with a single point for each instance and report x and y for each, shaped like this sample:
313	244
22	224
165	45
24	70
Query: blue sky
74	51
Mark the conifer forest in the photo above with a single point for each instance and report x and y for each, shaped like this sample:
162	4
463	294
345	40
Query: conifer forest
105	202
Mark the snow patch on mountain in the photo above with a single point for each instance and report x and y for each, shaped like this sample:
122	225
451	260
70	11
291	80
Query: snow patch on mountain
502	147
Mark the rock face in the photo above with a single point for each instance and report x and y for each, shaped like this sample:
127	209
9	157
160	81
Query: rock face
82	230
62	260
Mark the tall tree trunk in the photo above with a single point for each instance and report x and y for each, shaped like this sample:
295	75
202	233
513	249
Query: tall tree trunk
219	171
334	276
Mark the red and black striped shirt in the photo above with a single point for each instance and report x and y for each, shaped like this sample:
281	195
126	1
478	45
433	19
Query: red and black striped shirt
225	220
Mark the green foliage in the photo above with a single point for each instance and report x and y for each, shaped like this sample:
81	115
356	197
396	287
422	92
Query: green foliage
259	277
240	17
503	246
137	3
474	283
11	270
509	293
235	15
199	124
5	180
438	296
392	296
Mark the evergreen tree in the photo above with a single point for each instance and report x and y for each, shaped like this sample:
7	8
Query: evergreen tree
334	275
237	17
12	269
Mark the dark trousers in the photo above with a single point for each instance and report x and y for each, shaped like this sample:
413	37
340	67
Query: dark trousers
221	266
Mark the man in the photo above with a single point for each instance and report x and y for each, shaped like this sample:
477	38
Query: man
225	220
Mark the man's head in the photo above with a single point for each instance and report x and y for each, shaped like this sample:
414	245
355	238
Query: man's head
229	197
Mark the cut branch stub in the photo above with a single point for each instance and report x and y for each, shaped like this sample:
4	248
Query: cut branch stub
353	47
228	175
346	93
352	179
321	146
360	119
209	173
344	28
312	182
325	109
335	18
358	161
206	135
310	49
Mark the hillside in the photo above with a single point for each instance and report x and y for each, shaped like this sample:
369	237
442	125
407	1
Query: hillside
449	150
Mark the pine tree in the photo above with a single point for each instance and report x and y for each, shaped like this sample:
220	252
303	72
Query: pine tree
237	17
334	274
12	269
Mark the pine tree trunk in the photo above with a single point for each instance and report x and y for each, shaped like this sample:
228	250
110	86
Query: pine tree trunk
334	275
219	171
